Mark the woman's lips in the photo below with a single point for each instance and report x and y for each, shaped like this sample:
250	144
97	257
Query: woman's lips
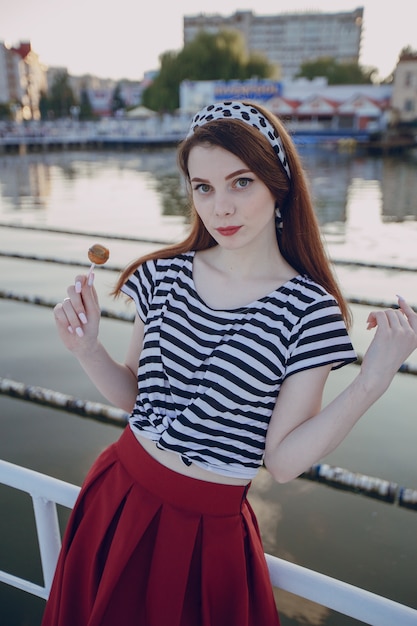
228	230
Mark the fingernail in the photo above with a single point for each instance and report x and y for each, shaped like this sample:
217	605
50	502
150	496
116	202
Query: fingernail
78	287
79	331
400	297
90	279
70	330
82	318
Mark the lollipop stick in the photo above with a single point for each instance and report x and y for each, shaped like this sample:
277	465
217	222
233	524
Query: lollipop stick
90	271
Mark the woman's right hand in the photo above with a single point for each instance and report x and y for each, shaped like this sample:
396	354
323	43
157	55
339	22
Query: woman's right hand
77	317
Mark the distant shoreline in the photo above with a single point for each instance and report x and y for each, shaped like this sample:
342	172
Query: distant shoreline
346	140
36	143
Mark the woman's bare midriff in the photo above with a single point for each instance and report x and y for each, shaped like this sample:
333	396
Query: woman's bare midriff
174	462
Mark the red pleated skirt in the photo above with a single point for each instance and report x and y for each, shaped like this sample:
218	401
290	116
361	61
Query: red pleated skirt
146	546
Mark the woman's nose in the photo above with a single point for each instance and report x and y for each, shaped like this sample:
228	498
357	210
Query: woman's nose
223	204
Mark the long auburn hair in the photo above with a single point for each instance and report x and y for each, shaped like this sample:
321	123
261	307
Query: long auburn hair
299	241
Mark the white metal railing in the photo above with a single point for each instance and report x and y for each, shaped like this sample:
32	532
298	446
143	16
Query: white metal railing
47	492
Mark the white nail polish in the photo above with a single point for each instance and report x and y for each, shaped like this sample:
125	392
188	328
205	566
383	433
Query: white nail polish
78	287
90	279
83	318
79	331
70	330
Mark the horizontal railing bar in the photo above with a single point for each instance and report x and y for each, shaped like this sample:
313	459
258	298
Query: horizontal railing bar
337	477
339	596
63	402
38	485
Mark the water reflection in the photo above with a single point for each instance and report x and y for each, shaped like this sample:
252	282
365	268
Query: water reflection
174	200
399	189
24	184
27	181
335	177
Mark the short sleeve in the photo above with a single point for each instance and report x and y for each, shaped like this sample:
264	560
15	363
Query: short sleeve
320	338
140	287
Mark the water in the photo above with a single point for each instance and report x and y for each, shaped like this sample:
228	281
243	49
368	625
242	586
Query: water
367	208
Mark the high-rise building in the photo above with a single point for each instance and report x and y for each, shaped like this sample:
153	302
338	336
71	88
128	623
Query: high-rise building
404	96
288	39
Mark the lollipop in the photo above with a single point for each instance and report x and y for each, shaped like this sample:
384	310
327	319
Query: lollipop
98	255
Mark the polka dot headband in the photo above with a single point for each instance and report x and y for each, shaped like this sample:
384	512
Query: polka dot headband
245	113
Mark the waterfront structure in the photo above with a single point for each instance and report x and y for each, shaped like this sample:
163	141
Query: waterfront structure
288	39
404	96
312	106
22	79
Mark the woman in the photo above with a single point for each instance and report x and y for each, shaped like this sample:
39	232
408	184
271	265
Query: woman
231	325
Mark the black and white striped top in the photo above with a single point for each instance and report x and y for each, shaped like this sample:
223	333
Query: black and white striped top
208	379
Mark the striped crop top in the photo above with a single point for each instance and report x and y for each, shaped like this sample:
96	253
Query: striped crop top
208	379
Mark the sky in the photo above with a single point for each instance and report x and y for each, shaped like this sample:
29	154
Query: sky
124	38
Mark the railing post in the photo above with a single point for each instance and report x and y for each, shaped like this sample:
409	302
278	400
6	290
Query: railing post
49	536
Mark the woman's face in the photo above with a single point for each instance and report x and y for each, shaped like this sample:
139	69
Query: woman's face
235	206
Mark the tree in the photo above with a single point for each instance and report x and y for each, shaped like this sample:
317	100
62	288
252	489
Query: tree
5	111
337	73
44	105
117	100
221	56
86	109
61	96
408	52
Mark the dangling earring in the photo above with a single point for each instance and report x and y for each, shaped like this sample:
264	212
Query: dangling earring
278	219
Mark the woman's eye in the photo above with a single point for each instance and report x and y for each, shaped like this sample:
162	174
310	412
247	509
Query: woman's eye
241	183
202	188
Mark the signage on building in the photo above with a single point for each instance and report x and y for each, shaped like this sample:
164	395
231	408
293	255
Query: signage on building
259	90
196	94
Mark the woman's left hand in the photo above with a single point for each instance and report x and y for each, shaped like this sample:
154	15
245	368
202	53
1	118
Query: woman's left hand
395	339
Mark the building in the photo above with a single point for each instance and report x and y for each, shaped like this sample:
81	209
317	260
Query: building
22	80
306	106
404	96
289	39
100	92
7	71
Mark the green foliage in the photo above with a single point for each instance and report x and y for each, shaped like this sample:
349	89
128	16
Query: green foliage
43	105
337	73
5	111
61	97
208	57
408	51
117	101
86	109
60	101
